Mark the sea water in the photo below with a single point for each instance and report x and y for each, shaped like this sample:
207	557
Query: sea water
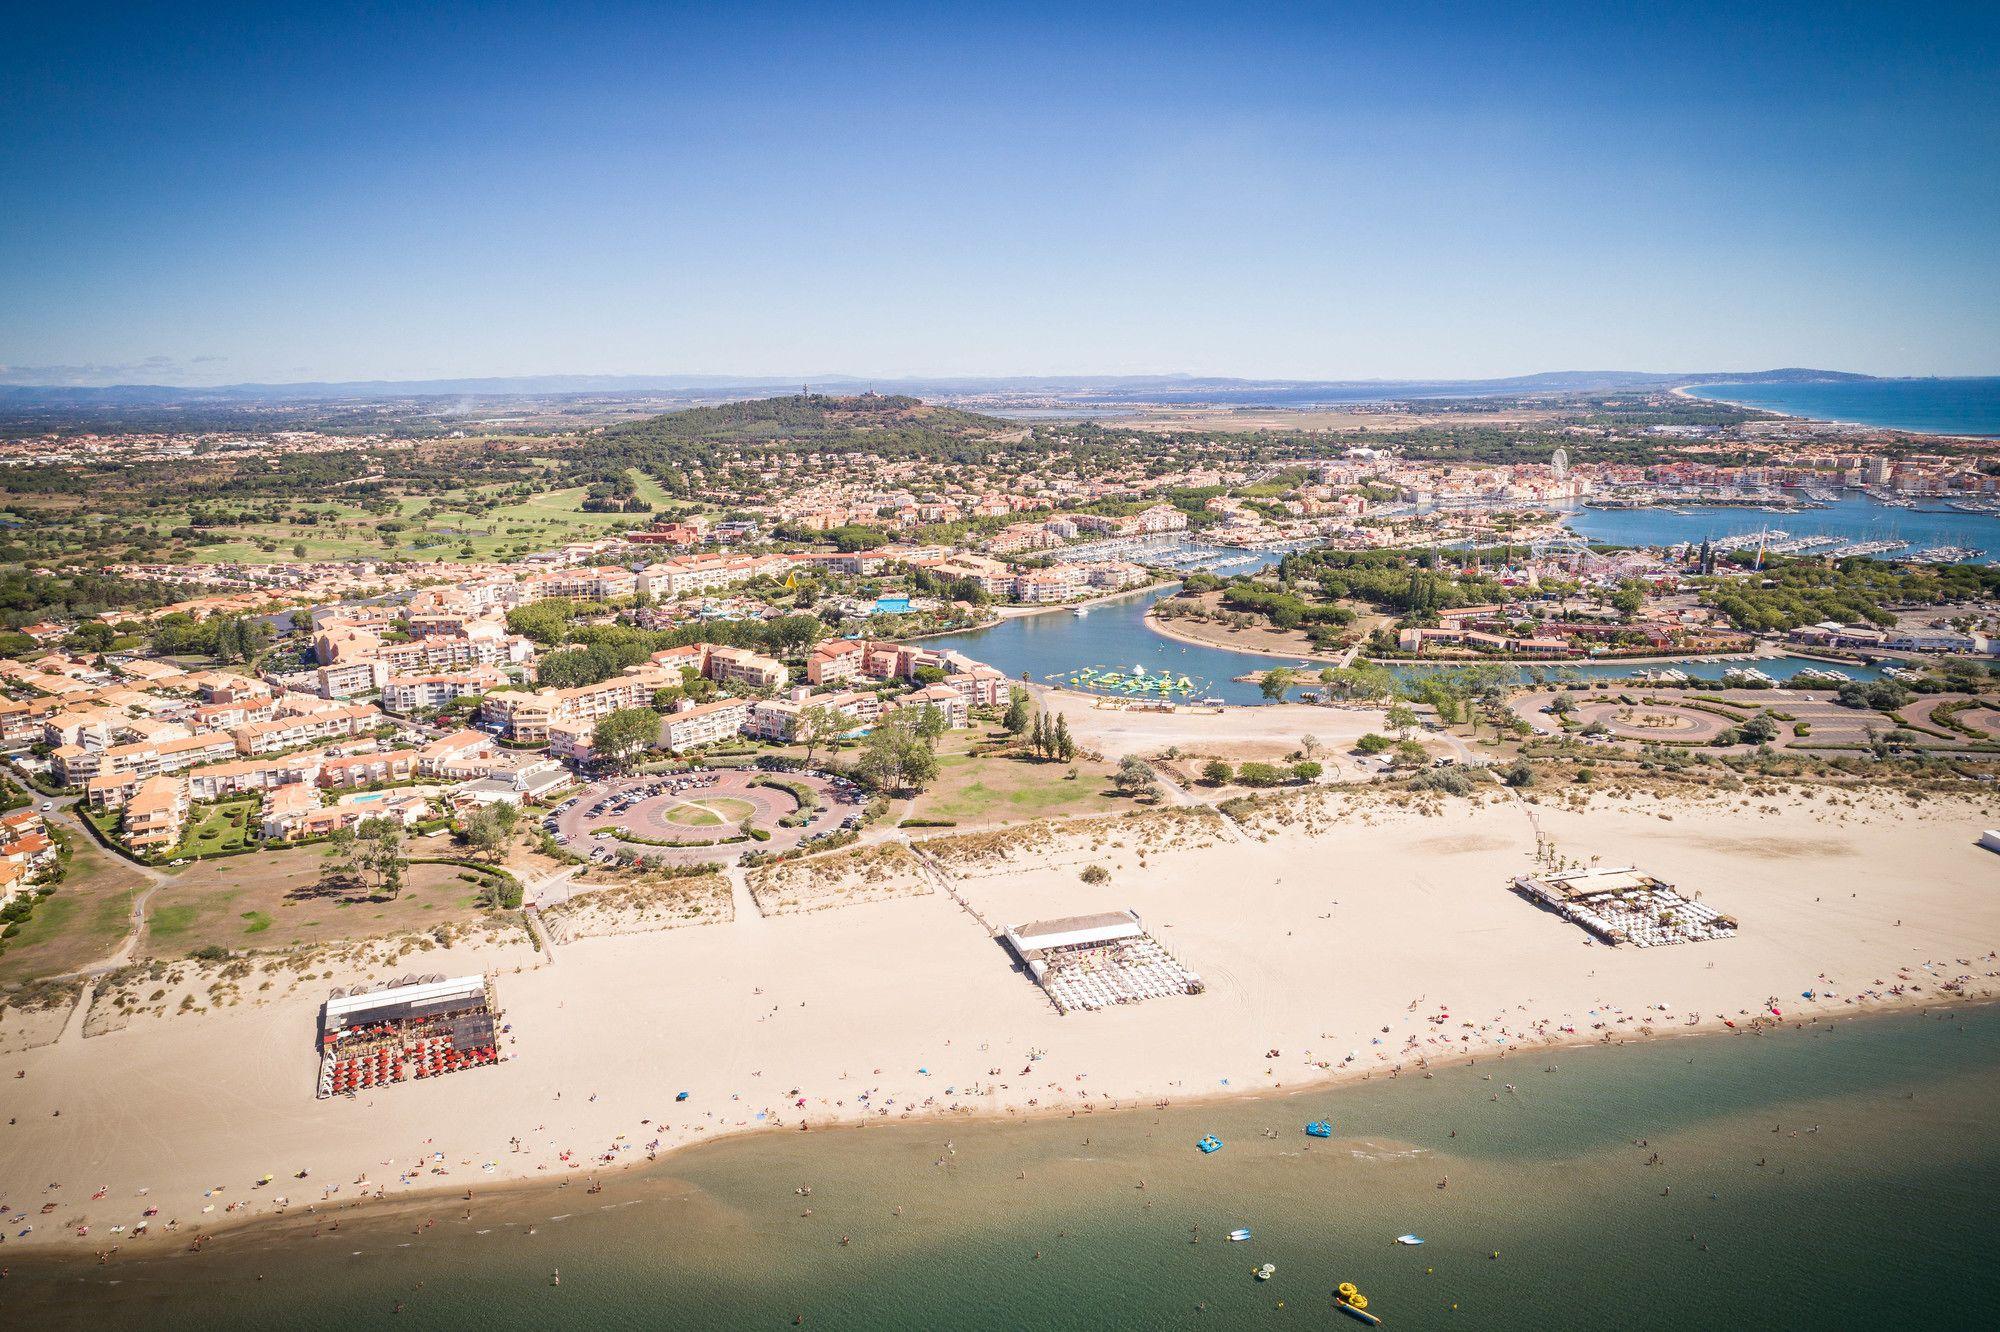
1835	1175
1968	406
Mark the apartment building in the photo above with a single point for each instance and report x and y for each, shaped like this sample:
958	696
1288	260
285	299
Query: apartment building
460	756
396	765
528	716
601	583
293	730
404	694
156	814
217	781
948	702
1058	582
988	575
350	678
74	765
682	574
726	665
703	724
835	661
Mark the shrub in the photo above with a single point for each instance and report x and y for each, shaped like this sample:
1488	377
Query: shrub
1260	774
1215	772
1095	874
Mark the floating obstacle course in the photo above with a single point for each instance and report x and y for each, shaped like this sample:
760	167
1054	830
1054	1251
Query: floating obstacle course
1132	682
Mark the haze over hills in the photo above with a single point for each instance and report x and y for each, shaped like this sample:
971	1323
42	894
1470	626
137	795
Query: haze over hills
1083	390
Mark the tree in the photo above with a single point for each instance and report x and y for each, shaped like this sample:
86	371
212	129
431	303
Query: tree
1372	743
1309	744
896	757
1215	772
1135	778
1402	719
1410	754
1308	771
1761	729
623	735
376	856
1019	711
1275	682
490	828
1260	774
930	723
819	725
1063	746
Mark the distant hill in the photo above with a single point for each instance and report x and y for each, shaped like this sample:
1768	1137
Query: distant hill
1079	389
885	425
807	417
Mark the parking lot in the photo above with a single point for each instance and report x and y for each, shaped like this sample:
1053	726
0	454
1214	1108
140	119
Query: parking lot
683	818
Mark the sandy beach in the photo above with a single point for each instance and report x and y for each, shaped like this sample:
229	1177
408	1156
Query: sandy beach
1354	933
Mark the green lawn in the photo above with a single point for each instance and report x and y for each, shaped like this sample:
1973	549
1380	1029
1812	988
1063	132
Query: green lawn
83	922
449	532
275	899
994	789
220	827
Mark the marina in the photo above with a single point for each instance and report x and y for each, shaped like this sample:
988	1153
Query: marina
1850	520
1049	649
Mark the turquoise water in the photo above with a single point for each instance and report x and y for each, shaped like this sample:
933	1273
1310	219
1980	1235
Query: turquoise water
1853	517
1749	1218
1115	635
1931	406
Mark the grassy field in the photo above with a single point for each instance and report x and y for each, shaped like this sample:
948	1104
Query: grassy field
975	792
438	528
82	923
222	827
711	812
275	900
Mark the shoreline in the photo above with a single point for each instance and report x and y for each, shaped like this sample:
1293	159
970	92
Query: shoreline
195	1106
1158	626
1686	391
375	1209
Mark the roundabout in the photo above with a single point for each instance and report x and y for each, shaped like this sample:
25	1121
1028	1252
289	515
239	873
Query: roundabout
687	817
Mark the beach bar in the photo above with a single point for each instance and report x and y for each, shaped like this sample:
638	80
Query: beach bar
419	1027
1091	962
1622	905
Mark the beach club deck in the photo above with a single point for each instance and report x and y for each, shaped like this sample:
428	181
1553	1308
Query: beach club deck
1623	905
1095	961
416	1028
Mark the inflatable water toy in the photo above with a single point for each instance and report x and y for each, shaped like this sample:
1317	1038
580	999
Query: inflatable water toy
1354	1304
1240	1234
1264	1273
1209	1144
1319	1128
1408	1239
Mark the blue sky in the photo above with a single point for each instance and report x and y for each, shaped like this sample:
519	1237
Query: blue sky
208	194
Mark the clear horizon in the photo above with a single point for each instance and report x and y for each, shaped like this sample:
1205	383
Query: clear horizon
253	196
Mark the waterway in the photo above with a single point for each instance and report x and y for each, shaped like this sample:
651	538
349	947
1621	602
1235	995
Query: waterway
1852	517
1115	636
1837	1175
